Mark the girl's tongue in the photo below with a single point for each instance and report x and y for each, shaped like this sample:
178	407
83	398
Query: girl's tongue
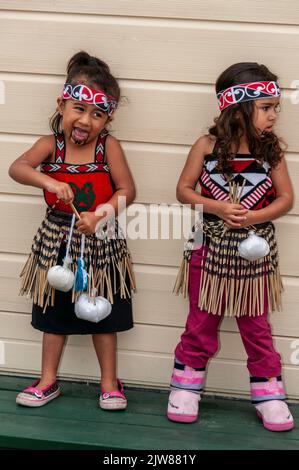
79	136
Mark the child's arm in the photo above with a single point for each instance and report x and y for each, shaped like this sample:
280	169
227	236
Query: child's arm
120	174
23	170
284	198
232	214
124	186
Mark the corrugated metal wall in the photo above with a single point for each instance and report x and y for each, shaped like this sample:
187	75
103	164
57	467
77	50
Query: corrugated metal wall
166	56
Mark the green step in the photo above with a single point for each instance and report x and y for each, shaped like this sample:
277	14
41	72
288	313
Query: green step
74	421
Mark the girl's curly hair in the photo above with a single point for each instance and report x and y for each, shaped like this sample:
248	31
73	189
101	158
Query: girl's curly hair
228	127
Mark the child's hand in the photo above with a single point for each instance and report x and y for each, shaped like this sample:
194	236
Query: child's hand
234	215
250	218
87	223
103	212
62	190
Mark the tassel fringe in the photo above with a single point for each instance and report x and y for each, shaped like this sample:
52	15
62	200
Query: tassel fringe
229	284
108	261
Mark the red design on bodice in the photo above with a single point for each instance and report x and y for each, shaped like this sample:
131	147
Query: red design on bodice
91	182
258	190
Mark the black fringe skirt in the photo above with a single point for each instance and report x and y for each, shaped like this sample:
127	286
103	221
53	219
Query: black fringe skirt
61	319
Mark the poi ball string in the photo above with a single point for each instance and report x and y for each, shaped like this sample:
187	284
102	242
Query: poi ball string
72	206
81	275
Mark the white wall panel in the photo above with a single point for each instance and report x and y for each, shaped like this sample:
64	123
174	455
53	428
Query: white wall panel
147	49
286	12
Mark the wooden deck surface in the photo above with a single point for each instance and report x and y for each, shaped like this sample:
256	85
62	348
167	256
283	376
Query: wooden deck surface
74	421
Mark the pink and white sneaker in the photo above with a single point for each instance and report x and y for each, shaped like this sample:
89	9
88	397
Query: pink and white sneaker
34	396
114	400
183	406
275	415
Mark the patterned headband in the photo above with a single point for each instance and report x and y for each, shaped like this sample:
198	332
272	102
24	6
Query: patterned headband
85	94
247	92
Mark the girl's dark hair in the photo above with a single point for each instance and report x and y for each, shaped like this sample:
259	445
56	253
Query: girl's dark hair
227	127
91	71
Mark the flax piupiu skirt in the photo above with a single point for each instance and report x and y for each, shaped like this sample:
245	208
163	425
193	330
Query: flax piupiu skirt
61	318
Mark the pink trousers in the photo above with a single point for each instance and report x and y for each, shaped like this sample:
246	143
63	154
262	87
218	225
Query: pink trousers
199	342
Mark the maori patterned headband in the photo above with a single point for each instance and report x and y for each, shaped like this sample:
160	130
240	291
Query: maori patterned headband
247	92
85	94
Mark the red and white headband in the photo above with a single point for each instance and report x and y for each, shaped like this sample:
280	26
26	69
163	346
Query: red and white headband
85	94
247	92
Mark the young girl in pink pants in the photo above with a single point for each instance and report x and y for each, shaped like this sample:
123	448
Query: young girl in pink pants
245	185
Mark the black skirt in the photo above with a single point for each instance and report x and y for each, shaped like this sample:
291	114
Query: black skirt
62	320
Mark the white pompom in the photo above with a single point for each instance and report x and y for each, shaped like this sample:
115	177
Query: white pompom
92	309
254	247
61	278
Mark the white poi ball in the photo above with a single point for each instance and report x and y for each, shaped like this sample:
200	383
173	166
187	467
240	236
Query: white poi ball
61	278
254	247
92	309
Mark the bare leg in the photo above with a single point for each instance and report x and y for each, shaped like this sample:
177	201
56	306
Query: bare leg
52	350
105	346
